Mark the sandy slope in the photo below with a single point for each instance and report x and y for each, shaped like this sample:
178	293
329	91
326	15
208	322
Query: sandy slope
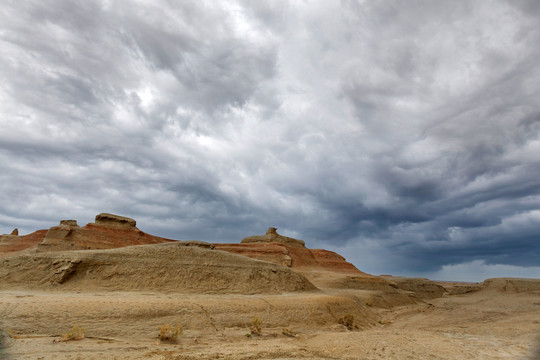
123	325
175	266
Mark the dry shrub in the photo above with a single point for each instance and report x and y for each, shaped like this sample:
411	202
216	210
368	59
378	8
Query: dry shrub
76	333
348	321
256	326
170	333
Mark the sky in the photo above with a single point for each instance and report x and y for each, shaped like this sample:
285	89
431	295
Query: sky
404	135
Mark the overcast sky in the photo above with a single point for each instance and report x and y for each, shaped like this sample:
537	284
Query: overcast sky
403	134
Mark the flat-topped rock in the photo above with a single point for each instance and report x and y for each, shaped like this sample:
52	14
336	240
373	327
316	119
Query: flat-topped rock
272	236
61	231
109	231
69	223
117	221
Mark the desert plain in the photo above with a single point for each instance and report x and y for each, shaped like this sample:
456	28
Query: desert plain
266	297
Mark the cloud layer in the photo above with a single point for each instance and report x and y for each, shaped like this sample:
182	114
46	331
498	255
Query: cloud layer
406	134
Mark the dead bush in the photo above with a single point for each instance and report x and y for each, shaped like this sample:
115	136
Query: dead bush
256	327
76	333
348	321
170	333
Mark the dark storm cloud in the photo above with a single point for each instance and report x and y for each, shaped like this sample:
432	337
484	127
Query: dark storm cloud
404	135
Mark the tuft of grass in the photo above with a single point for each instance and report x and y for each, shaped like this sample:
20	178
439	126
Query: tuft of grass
170	333
256	326
348	321
76	333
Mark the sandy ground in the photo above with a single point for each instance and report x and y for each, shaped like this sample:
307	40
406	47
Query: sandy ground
124	325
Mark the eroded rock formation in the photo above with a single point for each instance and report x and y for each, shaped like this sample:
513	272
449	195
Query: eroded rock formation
290	252
192	267
107	232
115	221
272	236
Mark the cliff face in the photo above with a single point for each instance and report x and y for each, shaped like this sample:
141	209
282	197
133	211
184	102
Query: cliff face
290	252
14	243
107	232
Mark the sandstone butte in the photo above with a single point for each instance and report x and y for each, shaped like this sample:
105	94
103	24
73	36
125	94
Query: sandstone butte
112	231
322	269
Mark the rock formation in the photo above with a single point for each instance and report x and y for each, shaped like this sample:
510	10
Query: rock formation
91	255
15	232
60	233
192	267
115	221
290	252
272	236
14	243
107	232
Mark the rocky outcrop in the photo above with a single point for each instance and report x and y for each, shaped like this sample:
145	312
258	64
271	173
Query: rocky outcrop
10	244
62	232
15	232
115	221
180	267
107	232
272	236
423	288
290	252
511	285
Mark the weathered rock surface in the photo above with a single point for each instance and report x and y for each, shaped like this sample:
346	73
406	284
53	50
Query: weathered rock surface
162	267
10	244
107	232
115	221
272	236
511	285
423	288
290	252
15	232
322	268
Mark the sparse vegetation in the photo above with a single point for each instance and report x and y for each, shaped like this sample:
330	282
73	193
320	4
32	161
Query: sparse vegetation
256	327
348	321
170	333
288	332
76	333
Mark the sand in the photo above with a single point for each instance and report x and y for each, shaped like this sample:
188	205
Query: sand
487	324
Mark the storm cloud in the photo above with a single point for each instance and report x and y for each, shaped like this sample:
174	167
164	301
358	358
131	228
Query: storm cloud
405	135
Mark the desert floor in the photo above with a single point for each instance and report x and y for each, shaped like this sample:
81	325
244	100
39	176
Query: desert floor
124	325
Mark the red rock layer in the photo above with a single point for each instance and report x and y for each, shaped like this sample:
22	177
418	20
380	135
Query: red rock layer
292	256
93	236
13	243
